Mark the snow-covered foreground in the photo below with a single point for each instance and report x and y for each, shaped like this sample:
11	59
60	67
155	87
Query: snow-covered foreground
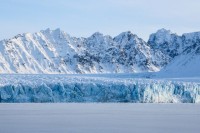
98	88
99	118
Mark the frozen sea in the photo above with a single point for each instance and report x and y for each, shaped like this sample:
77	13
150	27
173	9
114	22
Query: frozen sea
99	118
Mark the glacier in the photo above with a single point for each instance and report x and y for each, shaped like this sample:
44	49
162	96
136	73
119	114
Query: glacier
139	88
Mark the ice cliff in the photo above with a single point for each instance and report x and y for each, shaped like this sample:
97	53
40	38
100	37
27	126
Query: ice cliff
72	88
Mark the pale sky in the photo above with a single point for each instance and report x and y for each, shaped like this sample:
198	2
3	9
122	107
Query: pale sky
81	18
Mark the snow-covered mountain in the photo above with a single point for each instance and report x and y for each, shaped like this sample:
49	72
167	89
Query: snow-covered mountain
166	41
54	51
171	44
187	63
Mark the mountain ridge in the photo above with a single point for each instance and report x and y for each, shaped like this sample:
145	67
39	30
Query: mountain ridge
55	51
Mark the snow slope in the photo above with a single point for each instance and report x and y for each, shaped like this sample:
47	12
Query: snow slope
54	51
183	66
94	88
187	63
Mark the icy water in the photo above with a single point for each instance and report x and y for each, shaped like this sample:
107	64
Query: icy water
99	118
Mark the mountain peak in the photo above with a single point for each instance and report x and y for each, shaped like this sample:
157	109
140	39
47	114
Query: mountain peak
97	34
163	31
57	29
46	30
161	36
125	36
126	33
